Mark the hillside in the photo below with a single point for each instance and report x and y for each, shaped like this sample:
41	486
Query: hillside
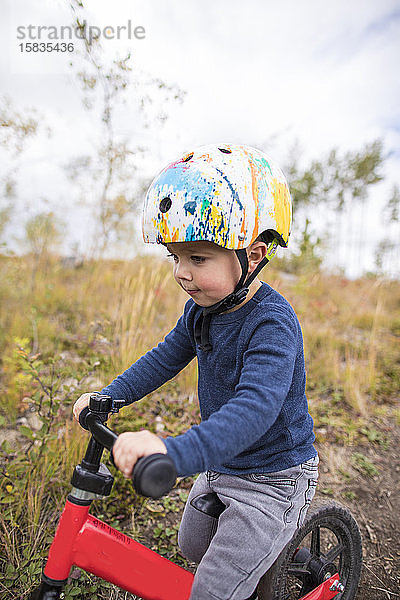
66	329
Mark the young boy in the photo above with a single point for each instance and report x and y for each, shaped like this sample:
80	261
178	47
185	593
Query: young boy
221	211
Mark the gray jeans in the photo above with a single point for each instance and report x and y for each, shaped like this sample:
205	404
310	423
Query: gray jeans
262	513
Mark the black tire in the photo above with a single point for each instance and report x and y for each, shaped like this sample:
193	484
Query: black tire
46	592
329	541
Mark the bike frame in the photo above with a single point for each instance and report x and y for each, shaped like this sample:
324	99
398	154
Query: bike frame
86	542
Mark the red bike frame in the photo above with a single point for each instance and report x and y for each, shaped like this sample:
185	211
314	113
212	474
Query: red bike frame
88	543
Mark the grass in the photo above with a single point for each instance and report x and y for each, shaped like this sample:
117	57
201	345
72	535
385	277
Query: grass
72	330
364	465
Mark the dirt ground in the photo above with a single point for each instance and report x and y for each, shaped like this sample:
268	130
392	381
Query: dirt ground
373	500
375	506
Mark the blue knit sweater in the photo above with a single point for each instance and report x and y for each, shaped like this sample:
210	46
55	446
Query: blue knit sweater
251	388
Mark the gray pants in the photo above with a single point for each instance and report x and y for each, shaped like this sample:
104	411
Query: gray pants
262	513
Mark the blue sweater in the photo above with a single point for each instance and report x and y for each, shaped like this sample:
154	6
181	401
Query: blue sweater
251	388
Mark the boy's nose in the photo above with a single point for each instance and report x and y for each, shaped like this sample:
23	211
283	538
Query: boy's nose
182	271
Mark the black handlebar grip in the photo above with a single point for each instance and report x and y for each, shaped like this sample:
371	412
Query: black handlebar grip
82	418
154	475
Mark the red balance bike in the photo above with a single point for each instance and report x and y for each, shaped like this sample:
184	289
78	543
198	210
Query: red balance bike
321	562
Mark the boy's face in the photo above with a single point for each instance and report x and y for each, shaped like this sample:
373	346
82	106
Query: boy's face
204	270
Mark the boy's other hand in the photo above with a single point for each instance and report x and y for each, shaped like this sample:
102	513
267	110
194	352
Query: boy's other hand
80	404
132	445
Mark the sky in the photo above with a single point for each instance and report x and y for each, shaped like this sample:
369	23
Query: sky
262	73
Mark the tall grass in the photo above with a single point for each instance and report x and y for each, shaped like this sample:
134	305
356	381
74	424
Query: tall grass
32	492
142	303
348	329
100	318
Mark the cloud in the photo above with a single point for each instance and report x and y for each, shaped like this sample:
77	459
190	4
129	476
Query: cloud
264	73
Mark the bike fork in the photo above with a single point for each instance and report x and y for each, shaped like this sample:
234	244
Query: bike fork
59	562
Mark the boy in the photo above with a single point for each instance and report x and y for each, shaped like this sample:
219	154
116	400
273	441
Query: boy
221	211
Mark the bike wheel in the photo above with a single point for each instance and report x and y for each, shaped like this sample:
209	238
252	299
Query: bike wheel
328	542
46	592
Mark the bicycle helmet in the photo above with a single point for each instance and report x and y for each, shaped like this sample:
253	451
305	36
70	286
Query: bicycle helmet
226	194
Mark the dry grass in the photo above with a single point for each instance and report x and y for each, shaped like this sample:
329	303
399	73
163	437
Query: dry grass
349	327
109	313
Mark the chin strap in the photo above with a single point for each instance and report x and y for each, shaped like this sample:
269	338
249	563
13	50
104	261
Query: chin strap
202	327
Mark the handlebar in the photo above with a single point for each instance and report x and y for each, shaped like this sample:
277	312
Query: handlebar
153	476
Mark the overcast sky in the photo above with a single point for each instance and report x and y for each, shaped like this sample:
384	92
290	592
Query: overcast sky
257	72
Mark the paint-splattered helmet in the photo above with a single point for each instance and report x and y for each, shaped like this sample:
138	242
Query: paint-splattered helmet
226	194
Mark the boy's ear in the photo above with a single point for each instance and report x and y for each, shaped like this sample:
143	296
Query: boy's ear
256	252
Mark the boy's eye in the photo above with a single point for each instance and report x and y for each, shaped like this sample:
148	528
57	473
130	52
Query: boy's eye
195	259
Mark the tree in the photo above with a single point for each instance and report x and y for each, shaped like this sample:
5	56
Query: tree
15	128
388	250
392	208
334	182
43	233
112	173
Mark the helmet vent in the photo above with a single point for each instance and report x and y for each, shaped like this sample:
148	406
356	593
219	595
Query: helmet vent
225	150
188	157
165	204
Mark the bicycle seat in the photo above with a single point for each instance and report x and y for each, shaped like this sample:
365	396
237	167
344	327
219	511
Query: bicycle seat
209	503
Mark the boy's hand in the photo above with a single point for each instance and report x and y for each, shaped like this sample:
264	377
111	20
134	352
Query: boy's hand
80	404
132	445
